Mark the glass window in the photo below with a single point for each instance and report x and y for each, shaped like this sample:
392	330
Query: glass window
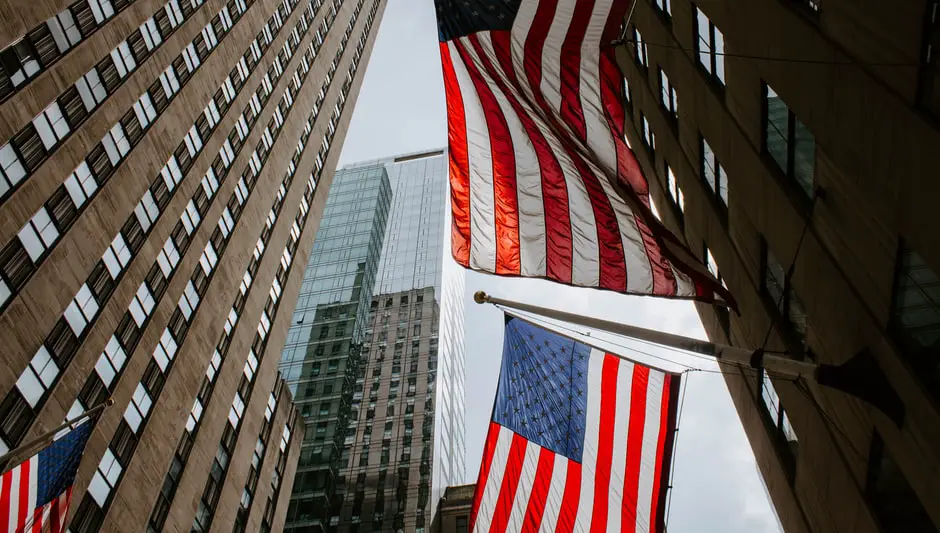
668	94
640	48
710	43
891	497
778	419
675	192
714	174
789	142
915	315
776	286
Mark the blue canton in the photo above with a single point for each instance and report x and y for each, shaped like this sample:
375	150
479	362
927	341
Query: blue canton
542	392
59	462
458	18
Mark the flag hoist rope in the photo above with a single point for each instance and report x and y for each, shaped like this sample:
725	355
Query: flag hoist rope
739	356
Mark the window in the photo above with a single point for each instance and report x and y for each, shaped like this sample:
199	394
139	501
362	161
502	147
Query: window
890	496
675	192
80	184
714	174
11	169
712	264
779	423
777	287
668	95
710	43
138	408
38	235
51	125
141	305
915	315
640	49
38	377
116	256
111	362
789	142
928	94
105	478
649	139
81	311
663	6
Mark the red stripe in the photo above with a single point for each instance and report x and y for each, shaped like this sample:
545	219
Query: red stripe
631	477
36	525
24	508
571	111
558	240
618	11
459	162
632	180
506	203
569	500
507	492
489	448
605	442
664	428
5	491
540	488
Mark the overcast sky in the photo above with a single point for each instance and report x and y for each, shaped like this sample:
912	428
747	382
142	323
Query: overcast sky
716	483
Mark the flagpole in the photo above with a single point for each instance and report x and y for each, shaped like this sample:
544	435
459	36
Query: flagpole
724	353
18	451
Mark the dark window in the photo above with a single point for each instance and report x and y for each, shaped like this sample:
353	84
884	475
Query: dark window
891	497
777	288
915	315
714	174
710	45
928	95
639	49
789	142
778	421
668	96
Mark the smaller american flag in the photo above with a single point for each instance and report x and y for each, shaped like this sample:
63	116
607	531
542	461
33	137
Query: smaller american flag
35	494
580	440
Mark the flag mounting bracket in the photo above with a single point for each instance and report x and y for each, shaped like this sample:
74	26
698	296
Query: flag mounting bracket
848	377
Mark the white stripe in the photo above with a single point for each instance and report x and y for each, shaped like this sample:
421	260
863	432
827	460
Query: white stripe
33	483
551	54
591	436
494	481
14	498
648	466
530	464
556	493
480	158
528	174
621	429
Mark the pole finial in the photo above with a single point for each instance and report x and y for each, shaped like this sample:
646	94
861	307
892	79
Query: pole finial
481	297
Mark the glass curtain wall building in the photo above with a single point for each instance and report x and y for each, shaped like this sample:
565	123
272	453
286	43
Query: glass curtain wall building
403	439
323	350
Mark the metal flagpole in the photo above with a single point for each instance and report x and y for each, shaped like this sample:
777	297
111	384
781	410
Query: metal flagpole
18	451
860	376
756	358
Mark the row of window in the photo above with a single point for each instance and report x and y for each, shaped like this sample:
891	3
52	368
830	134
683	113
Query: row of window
21	257
280	466
49	41
37	140
214	483
21	404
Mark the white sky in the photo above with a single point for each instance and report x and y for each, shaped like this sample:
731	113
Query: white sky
401	109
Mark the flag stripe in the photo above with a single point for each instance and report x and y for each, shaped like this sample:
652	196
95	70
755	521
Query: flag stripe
489	454
591	439
507	492
667	433
648	454
634	448
5	492
524	488
540	488
570	75
619	459
527	183
551	186
605	444
480	157
571	499
506	206
459	162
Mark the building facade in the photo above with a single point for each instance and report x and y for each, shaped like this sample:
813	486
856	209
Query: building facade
161	183
400	439
804	133
453	512
323	352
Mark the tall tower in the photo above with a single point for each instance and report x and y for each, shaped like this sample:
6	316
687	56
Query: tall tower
403	440
793	143
161	181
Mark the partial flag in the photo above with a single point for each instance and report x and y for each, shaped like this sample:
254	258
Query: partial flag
580	440
35	494
542	182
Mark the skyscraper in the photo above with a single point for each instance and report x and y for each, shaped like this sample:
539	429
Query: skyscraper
403	438
780	143
323	352
160	184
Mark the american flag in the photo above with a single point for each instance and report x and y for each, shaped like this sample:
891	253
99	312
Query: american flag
580	440
537	151
35	495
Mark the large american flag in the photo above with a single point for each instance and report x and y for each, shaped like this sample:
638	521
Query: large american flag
580	440
537	151
35	495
